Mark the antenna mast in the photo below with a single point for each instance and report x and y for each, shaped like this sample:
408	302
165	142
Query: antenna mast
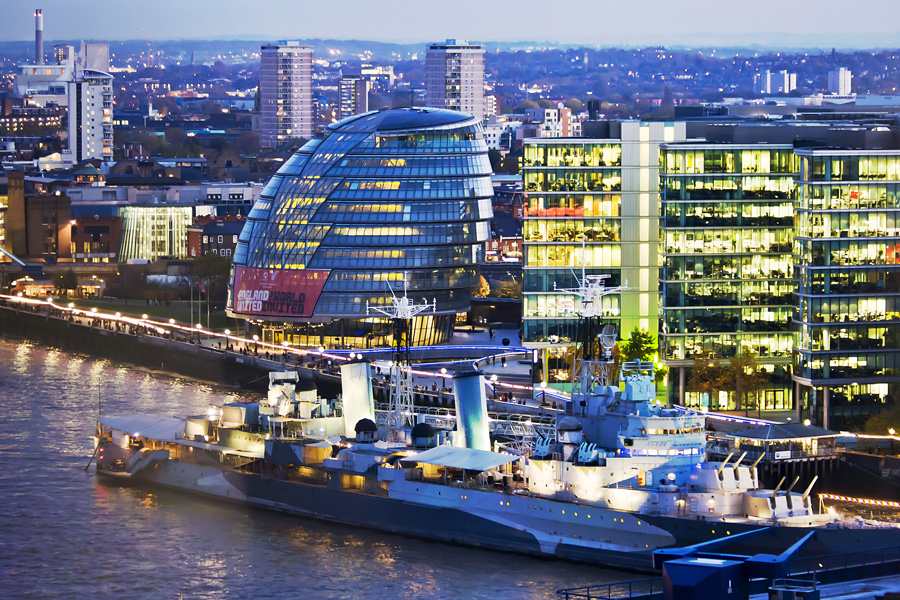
401	312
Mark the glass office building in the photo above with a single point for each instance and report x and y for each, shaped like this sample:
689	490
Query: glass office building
590	203
847	265
384	194
726	223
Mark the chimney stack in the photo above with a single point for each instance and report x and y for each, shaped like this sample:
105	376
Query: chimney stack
39	37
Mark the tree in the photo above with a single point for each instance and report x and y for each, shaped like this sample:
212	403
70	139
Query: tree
496	160
212	271
704	378
66	281
640	345
508	289
575	104
742	376
526	105
884	421
482	289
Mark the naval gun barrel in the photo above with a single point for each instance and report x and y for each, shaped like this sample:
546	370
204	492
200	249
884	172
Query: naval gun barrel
724	462
778	487
810	487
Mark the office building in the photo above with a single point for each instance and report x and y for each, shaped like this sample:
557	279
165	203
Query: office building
454	77
354	96
285	94
768	82
726	227
847	250
402	192
591	203
840	82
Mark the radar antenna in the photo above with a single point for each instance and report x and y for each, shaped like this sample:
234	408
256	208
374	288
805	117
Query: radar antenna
590	372
401	312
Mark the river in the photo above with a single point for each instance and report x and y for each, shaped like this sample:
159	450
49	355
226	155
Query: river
64	534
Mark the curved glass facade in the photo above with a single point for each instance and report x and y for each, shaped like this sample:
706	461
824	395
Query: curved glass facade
386	192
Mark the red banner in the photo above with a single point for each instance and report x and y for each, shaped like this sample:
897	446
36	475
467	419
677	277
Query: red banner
277	292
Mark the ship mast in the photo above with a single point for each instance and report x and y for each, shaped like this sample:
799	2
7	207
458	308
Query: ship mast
590	370
401	312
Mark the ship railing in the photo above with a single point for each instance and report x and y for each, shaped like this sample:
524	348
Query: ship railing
832	568
650	588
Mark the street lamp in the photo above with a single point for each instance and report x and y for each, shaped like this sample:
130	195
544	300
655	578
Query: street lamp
255	340
443	375
144	317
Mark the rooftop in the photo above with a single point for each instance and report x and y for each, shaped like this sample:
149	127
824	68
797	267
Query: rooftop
783	431
399	119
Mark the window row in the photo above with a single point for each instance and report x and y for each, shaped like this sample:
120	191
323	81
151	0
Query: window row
848	225
727	214
727	188
547	280
564	305
609	255
572	155
868	364
720	293
849	168
417	281
848	197
728	320
727	267
687	347
684	160
591	230
573	181
427	257
554	331
841	337
405	212
572	206
859	281
677	241
836	309
827	253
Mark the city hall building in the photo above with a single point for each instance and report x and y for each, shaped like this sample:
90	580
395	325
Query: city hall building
386	195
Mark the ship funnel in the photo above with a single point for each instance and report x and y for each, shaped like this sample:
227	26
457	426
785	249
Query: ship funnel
358	401
472	423
39	37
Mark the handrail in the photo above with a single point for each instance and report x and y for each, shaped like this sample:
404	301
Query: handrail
638	588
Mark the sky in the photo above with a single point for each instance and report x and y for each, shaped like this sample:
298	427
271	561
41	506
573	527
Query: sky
857	23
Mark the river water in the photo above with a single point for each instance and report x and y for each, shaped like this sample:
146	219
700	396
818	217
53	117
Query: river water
64	534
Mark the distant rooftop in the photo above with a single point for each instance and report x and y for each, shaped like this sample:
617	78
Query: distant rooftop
399	119
783	431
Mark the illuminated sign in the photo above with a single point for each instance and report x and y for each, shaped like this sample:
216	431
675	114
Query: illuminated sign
277	292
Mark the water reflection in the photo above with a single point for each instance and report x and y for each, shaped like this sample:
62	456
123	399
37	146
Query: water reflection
67	534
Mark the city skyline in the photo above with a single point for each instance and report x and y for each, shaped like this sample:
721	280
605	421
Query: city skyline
700	22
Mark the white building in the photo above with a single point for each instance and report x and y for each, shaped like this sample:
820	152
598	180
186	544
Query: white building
354	96
454	77
840	82
90	102
285	93
491	105
768	82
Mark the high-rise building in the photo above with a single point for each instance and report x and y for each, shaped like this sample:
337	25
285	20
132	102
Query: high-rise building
454	77
847	267
285	93
592	203
768	82
726	225
90	99
840	82
354	96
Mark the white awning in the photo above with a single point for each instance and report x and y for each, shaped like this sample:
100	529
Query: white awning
462	458
157	428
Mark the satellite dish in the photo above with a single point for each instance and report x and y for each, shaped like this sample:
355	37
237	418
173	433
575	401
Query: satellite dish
608	337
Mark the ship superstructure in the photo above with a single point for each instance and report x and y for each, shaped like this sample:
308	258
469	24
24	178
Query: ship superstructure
621	479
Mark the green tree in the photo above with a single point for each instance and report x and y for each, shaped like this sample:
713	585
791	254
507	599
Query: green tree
496	160
482	289
575	104
704	379
508	289
526	105
884	421
742	376
640	345
212	272
65	281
